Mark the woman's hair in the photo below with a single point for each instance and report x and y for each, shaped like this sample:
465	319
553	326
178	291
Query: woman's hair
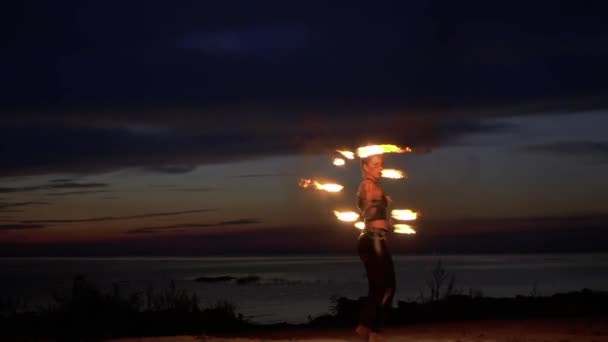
365	161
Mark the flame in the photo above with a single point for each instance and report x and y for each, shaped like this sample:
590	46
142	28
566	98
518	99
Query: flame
346	216
393	173
360	225
404	214
366	151
401	228
329	187
347	154
304	183
339	162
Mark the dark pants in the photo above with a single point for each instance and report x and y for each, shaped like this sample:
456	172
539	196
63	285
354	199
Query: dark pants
381	279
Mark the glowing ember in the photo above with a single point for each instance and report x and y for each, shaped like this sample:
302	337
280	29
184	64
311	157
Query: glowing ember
401	228
360	225
347	154
339	162
367	151
392	173
404	214
304	183
346	216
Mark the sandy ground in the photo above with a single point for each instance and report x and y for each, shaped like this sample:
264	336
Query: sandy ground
590	330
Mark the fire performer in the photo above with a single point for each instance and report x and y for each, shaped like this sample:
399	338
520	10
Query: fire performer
373	206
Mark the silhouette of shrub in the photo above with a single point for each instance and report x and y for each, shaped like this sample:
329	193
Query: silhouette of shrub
441	284
87	313
12	305
171	299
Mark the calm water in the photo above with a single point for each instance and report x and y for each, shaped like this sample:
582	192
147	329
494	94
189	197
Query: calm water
292	288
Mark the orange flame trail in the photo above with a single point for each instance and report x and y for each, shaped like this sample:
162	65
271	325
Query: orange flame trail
393	174
329	187
401	228
347	154
404	214
366	151
346	216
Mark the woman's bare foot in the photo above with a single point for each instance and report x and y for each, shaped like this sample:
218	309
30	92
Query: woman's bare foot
376	337
362	331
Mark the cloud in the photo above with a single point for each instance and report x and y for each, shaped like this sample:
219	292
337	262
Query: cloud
180	227
53	186
117	218
271	42
176	188
583	149
578	233
582	233
312	76
95	148
172	168
62	180
257	175
405	57
193	189
69	193
18	226
20	204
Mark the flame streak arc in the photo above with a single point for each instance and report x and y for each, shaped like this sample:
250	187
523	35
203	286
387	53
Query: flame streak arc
347	154
351	216
346	216
393	174
401	228
366	151
329	187
404	214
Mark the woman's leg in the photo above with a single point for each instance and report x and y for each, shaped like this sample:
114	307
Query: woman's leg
388	284
381	281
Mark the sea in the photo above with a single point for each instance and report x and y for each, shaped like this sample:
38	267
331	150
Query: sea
295	289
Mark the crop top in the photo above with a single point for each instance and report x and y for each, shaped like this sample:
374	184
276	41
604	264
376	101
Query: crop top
381	206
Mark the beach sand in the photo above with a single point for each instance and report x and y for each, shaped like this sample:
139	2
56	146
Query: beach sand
580	330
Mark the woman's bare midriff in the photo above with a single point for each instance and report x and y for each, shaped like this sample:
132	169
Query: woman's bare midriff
377	224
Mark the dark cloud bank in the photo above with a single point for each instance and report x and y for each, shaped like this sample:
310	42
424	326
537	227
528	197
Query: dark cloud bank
96	86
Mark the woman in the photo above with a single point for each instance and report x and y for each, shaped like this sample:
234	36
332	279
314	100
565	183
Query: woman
373	207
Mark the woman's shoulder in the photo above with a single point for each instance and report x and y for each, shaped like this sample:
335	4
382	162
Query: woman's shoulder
368	184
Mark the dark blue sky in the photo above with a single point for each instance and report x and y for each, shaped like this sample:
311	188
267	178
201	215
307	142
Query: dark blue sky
197	118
